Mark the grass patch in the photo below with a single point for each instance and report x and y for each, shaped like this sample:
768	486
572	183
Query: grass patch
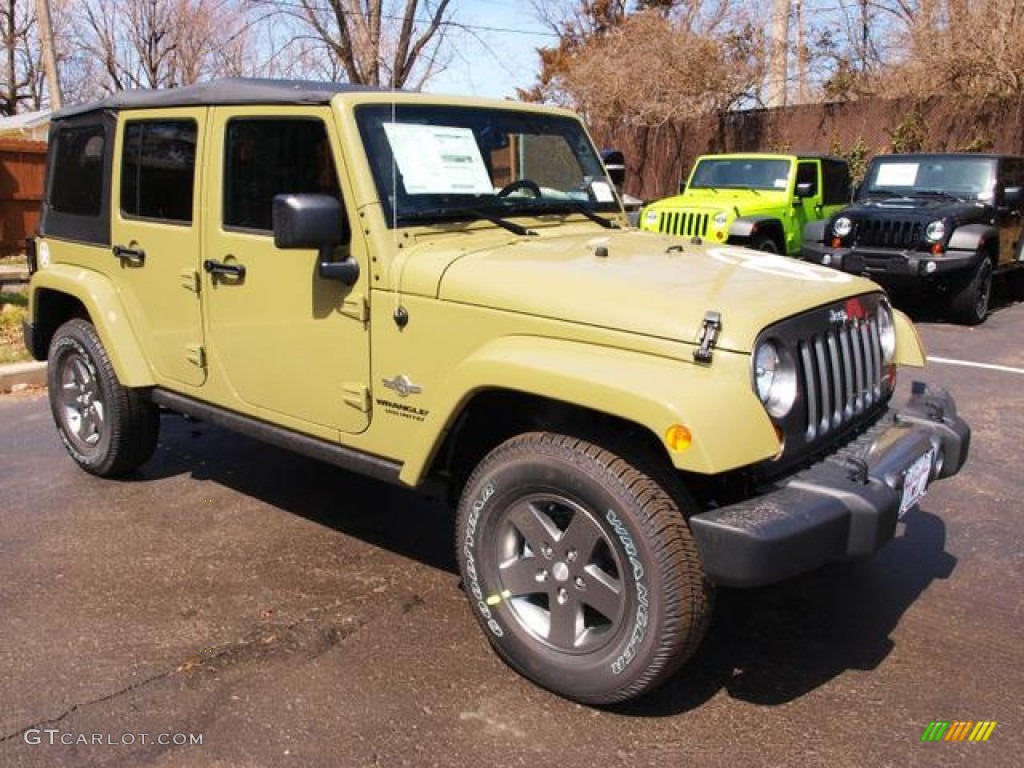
13	308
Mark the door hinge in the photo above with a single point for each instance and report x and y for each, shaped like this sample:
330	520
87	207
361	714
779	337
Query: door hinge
356	306
190	280
196	354
358	396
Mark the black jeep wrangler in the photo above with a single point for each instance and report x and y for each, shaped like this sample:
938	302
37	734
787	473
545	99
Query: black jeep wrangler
941	223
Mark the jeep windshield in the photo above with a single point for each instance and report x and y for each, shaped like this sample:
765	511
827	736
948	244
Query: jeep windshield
963	178
434	164
741	173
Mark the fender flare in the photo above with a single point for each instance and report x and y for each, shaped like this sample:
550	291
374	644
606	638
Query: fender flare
745	227
100	299
814	231
972	237
650	391
909	347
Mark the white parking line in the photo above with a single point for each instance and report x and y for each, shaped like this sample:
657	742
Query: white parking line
971	364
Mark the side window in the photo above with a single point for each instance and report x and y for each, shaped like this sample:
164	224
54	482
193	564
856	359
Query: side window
76	183
158	164
267	157
836	183
807	173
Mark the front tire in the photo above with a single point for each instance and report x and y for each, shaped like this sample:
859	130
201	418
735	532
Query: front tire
108	429
764	242
969	302
580	568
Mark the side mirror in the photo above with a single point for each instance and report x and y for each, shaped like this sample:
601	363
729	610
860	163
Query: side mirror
682	186
615	164
805	189
314	221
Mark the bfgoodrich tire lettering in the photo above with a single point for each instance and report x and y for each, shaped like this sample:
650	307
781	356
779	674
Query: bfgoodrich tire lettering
580	568
108	429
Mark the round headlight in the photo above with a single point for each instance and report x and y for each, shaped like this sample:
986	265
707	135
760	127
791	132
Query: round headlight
935	231
842	226
775	378
651	217
720	218
886	332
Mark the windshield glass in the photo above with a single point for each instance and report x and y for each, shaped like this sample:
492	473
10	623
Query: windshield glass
437	163
964	177
741	173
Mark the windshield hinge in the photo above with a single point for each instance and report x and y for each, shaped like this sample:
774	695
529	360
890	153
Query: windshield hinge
356	306
708	336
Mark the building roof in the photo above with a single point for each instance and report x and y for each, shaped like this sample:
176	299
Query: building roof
224	91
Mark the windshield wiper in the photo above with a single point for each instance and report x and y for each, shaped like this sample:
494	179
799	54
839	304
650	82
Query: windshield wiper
552	206
937	193
466	213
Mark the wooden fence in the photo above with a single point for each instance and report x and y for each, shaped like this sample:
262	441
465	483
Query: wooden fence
22	167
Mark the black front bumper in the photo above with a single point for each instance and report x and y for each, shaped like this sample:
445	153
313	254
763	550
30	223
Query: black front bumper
882	263
844	507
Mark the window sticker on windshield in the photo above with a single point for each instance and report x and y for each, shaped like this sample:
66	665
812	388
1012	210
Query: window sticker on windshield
438	160
897	175
780	183
602	191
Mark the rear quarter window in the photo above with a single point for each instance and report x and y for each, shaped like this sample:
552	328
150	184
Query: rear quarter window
77	201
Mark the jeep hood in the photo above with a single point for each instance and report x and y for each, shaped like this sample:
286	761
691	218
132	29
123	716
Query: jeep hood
925	208
646	283
748	202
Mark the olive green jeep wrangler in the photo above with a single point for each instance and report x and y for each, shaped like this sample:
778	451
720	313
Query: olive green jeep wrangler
761	201
442	292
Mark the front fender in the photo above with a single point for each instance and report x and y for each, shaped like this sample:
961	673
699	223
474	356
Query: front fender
729	425
100	299
909	347
743	227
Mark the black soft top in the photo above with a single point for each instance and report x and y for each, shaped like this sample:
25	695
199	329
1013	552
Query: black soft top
236	90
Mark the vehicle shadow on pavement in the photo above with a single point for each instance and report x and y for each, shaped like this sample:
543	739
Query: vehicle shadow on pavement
925	309
765	646
386	516
772	645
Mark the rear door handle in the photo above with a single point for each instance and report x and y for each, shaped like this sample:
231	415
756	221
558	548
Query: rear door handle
134	256
215	268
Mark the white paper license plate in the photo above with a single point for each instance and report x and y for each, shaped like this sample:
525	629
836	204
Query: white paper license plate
915	482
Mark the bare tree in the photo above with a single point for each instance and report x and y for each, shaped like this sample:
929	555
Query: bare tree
162	43
392	43
22	69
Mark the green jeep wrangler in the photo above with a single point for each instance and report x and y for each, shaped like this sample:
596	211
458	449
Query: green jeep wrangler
442	292
761	201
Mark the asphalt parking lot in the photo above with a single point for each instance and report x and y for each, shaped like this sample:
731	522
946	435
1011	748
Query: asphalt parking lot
286	613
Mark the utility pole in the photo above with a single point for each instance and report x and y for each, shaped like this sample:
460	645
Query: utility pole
49	54
778	55
802	95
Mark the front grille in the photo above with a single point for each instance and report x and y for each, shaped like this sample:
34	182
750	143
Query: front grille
889	233
840	373
683	223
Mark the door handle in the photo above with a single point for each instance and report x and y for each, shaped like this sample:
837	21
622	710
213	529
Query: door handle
216	268
134	256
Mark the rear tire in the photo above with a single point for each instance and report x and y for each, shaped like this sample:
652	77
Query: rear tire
969	302
108	429
580	568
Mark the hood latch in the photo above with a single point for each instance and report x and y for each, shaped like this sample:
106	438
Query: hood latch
708	336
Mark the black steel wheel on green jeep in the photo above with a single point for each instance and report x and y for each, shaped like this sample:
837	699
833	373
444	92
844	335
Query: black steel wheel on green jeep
108	429
970	299
580	568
